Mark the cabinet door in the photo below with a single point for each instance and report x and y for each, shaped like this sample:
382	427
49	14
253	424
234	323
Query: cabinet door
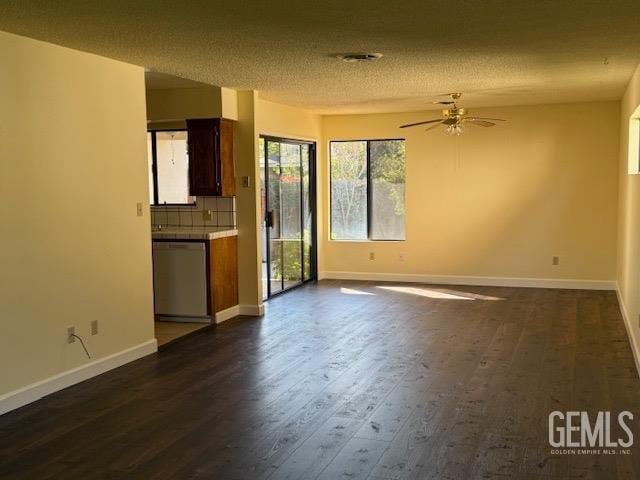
223	258
228	188
204	157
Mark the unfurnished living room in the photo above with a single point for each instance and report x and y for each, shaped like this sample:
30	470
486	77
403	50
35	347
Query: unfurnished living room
299	240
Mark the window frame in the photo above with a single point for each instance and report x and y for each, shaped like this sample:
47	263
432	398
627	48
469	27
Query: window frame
154	169
369	192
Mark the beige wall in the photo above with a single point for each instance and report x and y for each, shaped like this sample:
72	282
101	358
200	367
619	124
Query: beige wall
248	202
497	202
74	165
628	271
288	122
171	104
168	105
229	103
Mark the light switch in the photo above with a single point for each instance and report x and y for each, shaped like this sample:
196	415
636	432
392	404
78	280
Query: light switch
139	208
246	181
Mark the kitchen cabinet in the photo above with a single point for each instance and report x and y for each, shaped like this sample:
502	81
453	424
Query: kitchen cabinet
211	157
223	258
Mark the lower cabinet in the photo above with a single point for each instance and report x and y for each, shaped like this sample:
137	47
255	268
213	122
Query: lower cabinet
223	271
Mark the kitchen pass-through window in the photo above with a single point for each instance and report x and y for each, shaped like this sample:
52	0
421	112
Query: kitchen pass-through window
168	168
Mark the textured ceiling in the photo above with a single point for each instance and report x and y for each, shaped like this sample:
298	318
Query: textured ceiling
160	81
497	52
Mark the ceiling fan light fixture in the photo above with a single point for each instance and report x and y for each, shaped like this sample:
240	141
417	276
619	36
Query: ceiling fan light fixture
454	129
453	118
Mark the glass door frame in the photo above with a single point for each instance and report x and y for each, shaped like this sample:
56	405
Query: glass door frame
313	260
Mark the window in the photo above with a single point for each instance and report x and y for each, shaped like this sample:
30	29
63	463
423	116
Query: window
367	190
168	168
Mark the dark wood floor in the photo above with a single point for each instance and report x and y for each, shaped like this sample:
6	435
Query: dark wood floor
346	380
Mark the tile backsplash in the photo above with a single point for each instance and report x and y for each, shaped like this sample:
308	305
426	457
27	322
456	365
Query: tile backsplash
223	213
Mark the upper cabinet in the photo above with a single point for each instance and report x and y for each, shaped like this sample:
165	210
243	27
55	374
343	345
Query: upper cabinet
211	165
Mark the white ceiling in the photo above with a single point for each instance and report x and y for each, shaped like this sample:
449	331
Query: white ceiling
497	52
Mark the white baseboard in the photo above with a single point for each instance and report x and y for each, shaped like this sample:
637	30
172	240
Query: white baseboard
627	324
227	314
471	280
232	312
252	310
35	391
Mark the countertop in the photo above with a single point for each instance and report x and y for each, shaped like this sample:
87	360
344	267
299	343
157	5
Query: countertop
192	233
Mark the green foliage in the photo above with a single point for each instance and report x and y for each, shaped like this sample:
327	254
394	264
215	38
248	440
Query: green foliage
289	267
387	161
387	165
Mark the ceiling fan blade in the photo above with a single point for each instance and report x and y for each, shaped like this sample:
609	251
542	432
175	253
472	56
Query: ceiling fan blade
434	126
420	123
476	121
487	118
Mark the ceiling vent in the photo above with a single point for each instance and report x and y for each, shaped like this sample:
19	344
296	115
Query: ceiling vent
359	57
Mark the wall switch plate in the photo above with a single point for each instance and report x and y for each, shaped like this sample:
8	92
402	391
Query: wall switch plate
372	256
94	327
139	208
71	331
207	215
246	181
555	261
401	257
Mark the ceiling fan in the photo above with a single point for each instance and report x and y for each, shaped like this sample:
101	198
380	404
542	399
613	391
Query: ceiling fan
454	117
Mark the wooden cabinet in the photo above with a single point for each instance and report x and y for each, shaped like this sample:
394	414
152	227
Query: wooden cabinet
211	161
223	268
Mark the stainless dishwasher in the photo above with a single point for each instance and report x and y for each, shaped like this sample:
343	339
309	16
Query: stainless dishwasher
180	281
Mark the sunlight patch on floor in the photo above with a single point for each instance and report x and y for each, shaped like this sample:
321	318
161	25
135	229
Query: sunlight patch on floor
438	293
353	291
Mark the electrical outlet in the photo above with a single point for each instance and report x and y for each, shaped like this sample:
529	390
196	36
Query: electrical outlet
555	261
372	256
207	215
94	327
139	208
71	331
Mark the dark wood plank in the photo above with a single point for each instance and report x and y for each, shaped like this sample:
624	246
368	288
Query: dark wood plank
349	380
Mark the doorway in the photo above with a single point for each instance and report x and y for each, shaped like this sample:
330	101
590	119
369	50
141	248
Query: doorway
289	213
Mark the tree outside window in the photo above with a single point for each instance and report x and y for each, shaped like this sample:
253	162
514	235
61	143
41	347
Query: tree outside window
368	190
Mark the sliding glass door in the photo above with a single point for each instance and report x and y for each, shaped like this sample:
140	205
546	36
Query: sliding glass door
288	211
